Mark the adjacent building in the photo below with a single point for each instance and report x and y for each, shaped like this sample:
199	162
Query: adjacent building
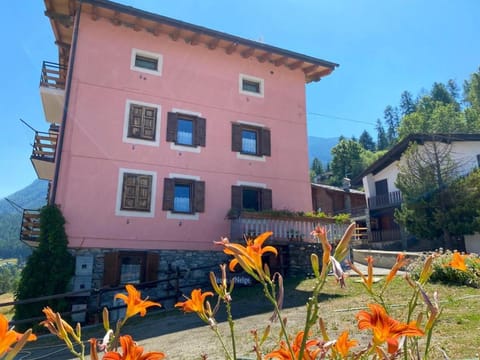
382	195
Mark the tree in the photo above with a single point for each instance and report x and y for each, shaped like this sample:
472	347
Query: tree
407	104
392	121
366	141
434	199
317	166
346	160
49	268
382	140
472	99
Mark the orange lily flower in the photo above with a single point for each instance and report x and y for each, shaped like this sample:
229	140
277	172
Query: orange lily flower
283	353
367	280
196	303
249	257
130	351
458	262
134	302
343	345
56	325
9	337
401	261
385	328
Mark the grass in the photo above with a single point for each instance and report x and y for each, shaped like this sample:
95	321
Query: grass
6	310
184	336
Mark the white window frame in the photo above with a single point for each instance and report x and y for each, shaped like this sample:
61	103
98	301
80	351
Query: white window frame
131	140
147	54
180	216
176	147
118	207
258	80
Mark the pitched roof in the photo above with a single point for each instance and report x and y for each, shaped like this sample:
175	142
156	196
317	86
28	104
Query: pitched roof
396	151
62	14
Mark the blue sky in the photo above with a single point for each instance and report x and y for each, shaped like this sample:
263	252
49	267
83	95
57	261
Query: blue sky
383	48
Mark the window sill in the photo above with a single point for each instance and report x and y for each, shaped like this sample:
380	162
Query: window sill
192	149
250	157
180	216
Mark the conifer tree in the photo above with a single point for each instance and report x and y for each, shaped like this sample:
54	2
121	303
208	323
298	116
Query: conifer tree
48	270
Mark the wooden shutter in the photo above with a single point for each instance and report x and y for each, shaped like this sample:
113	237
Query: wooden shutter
265	142
168	194
135	121
237	197
151	266
266	199
111	269
149	123
172	127
200	131
199	196
236	137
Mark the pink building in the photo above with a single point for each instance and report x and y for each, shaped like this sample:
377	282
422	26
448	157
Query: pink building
159	129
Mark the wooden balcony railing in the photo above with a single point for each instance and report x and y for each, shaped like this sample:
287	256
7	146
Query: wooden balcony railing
393	198
45	145
53	75
386	235
30	230
285	229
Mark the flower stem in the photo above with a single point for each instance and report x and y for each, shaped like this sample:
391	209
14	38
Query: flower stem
231	324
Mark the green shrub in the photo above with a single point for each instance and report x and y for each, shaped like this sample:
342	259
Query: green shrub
448	275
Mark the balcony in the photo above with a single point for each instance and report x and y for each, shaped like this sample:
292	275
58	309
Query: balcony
30	231
44	153
285	229
382	201
52	91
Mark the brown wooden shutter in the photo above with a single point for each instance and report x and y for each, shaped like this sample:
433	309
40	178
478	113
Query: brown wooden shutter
265	142
149	123
237	197
151	267
111	269
266	199
168	194
236	137
172	127
200	132
199	196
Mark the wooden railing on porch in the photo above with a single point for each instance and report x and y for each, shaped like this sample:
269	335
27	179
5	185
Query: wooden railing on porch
285	229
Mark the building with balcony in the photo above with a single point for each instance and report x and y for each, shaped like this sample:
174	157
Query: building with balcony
382	195
159	128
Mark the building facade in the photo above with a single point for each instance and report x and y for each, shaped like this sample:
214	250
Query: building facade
382	195
158	129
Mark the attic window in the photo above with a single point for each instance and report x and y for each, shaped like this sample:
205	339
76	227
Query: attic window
146	61
250	85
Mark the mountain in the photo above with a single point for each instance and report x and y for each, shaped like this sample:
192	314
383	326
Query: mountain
319	147
31	197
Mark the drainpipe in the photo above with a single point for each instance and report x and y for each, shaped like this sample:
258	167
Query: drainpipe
65	107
